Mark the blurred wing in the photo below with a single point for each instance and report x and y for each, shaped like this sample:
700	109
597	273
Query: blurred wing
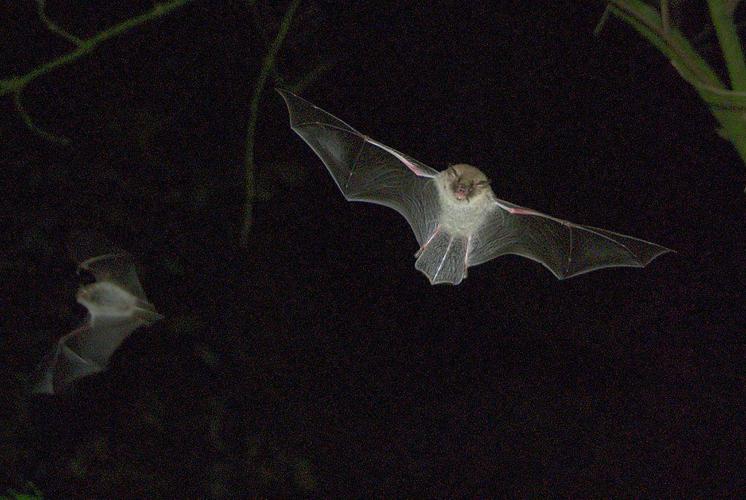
566	249
365	169
103	335
63	366
117	268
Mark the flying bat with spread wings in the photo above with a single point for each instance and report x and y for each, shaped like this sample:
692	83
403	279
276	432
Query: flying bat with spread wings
456	217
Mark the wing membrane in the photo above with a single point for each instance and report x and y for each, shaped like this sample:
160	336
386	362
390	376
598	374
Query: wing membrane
565	248
366	170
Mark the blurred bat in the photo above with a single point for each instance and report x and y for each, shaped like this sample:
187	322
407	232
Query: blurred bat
116	306
454	214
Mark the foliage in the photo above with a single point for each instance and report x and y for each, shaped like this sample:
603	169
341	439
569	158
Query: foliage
727	104
33	493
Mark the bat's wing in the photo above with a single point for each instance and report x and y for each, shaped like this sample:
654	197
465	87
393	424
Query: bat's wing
366	170
117	268
88	349
63	365
566	249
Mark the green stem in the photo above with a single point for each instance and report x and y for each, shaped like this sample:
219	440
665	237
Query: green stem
665	17
726	105
647	21
727	35
308	78
32	126
249	167
51	26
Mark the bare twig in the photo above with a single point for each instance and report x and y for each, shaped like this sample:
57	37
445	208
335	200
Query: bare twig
602	22
30	123
249	166
15	84
308	78
51	26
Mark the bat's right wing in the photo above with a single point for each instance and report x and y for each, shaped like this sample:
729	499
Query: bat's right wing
366	170
564	248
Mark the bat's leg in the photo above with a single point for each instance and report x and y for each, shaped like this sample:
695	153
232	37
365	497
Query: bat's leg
424	246
466	256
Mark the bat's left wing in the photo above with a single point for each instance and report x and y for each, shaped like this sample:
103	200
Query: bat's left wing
365	169
63	365
565	248
116	307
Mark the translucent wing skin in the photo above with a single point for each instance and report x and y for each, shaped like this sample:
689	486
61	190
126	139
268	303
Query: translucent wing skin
116	268
454	237
116	307
444	257
366	170
565	248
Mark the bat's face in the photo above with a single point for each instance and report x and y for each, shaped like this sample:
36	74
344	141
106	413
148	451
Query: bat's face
464	183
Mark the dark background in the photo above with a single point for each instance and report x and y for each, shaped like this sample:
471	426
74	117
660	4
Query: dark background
317	361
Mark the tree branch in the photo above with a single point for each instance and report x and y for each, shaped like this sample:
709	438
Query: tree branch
15	84
249	166
51	26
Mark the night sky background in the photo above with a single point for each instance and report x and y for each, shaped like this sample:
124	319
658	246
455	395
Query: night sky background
317	361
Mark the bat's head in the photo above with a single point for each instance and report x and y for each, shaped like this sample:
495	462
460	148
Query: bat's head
464	182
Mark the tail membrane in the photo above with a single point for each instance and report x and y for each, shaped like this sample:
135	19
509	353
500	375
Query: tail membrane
443	258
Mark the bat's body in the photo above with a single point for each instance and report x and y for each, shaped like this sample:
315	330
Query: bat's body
457	219
116	307
445	254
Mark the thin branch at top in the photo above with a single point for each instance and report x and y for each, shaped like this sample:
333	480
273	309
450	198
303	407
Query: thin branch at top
51	26
84	46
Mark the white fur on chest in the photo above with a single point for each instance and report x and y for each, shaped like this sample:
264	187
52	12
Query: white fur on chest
461	218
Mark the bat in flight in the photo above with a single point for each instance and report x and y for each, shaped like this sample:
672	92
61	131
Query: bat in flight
456	217
116	306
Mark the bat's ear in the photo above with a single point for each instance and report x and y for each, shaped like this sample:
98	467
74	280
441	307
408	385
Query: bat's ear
85	244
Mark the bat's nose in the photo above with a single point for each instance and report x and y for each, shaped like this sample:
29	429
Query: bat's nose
462	191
